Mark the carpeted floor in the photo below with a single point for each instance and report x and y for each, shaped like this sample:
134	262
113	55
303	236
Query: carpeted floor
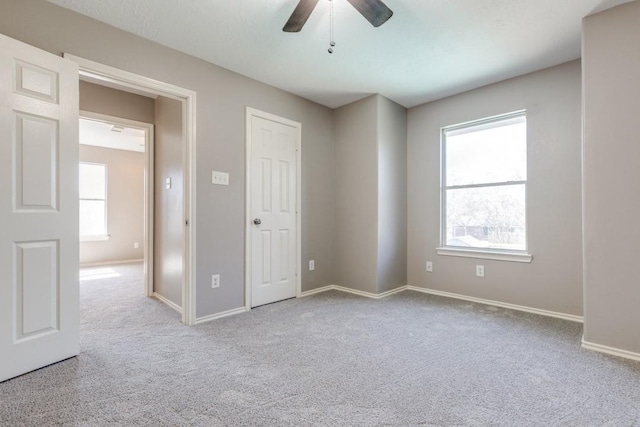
332	359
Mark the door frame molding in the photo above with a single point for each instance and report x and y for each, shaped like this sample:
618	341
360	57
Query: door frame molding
112	75
148	185
250	113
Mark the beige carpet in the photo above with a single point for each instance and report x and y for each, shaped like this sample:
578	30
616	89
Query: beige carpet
328	360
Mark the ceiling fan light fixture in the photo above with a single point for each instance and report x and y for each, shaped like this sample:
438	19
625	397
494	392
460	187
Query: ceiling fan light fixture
374	11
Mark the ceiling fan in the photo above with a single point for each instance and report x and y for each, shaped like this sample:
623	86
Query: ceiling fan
374	11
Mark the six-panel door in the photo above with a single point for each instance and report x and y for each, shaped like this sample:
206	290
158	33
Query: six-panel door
39	306
273	208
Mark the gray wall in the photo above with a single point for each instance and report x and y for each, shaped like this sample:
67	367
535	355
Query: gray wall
611	175
222	96
356	195
392	195
113	102
370	188
125	205
168	212
553	281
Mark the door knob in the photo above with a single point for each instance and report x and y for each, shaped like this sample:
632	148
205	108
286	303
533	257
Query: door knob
257	221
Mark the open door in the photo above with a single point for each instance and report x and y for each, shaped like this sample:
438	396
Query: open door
39	306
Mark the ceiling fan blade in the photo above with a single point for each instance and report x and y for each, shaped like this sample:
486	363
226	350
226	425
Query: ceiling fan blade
300	15
375	11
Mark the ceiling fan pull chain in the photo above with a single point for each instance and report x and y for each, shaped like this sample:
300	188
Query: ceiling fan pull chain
331	42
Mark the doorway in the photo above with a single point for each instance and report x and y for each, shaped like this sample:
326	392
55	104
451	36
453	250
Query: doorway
116	193
273	223
123	80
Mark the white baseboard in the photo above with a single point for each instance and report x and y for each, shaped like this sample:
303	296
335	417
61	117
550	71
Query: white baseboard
168	302
220	315
564	316
123	261
353	291
610	350
316	291
548	313
369	294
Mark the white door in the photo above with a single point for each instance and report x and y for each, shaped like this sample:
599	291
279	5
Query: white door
273	210
39	305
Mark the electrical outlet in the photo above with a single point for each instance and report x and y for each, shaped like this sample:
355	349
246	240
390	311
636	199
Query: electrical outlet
312	265
136	245
480	270
215	281
429	266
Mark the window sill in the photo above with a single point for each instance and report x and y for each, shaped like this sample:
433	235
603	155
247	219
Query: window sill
484	254
100	238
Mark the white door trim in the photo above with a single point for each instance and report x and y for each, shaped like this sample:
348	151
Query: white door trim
130	80
148	186
251	112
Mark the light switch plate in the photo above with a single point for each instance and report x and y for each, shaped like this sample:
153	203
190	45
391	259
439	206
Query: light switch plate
219	178
167	183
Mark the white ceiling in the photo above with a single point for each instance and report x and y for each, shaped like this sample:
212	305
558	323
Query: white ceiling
99	134
429	49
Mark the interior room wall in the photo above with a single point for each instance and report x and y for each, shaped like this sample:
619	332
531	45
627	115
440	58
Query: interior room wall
125	206
370	210
222	96
553	280
117	103
356	195
611	174
392	195
125	202
168	239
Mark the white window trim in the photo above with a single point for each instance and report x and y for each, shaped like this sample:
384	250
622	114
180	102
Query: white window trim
99	237
485	254
478	253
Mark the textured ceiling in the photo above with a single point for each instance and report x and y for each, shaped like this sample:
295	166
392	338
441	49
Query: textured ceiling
100	134
428	49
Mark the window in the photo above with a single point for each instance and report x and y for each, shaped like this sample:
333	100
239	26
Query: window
484	173
93	201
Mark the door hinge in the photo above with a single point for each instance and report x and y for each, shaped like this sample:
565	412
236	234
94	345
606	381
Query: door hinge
186	222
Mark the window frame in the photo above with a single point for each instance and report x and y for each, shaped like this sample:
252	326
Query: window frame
515	255
105	235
